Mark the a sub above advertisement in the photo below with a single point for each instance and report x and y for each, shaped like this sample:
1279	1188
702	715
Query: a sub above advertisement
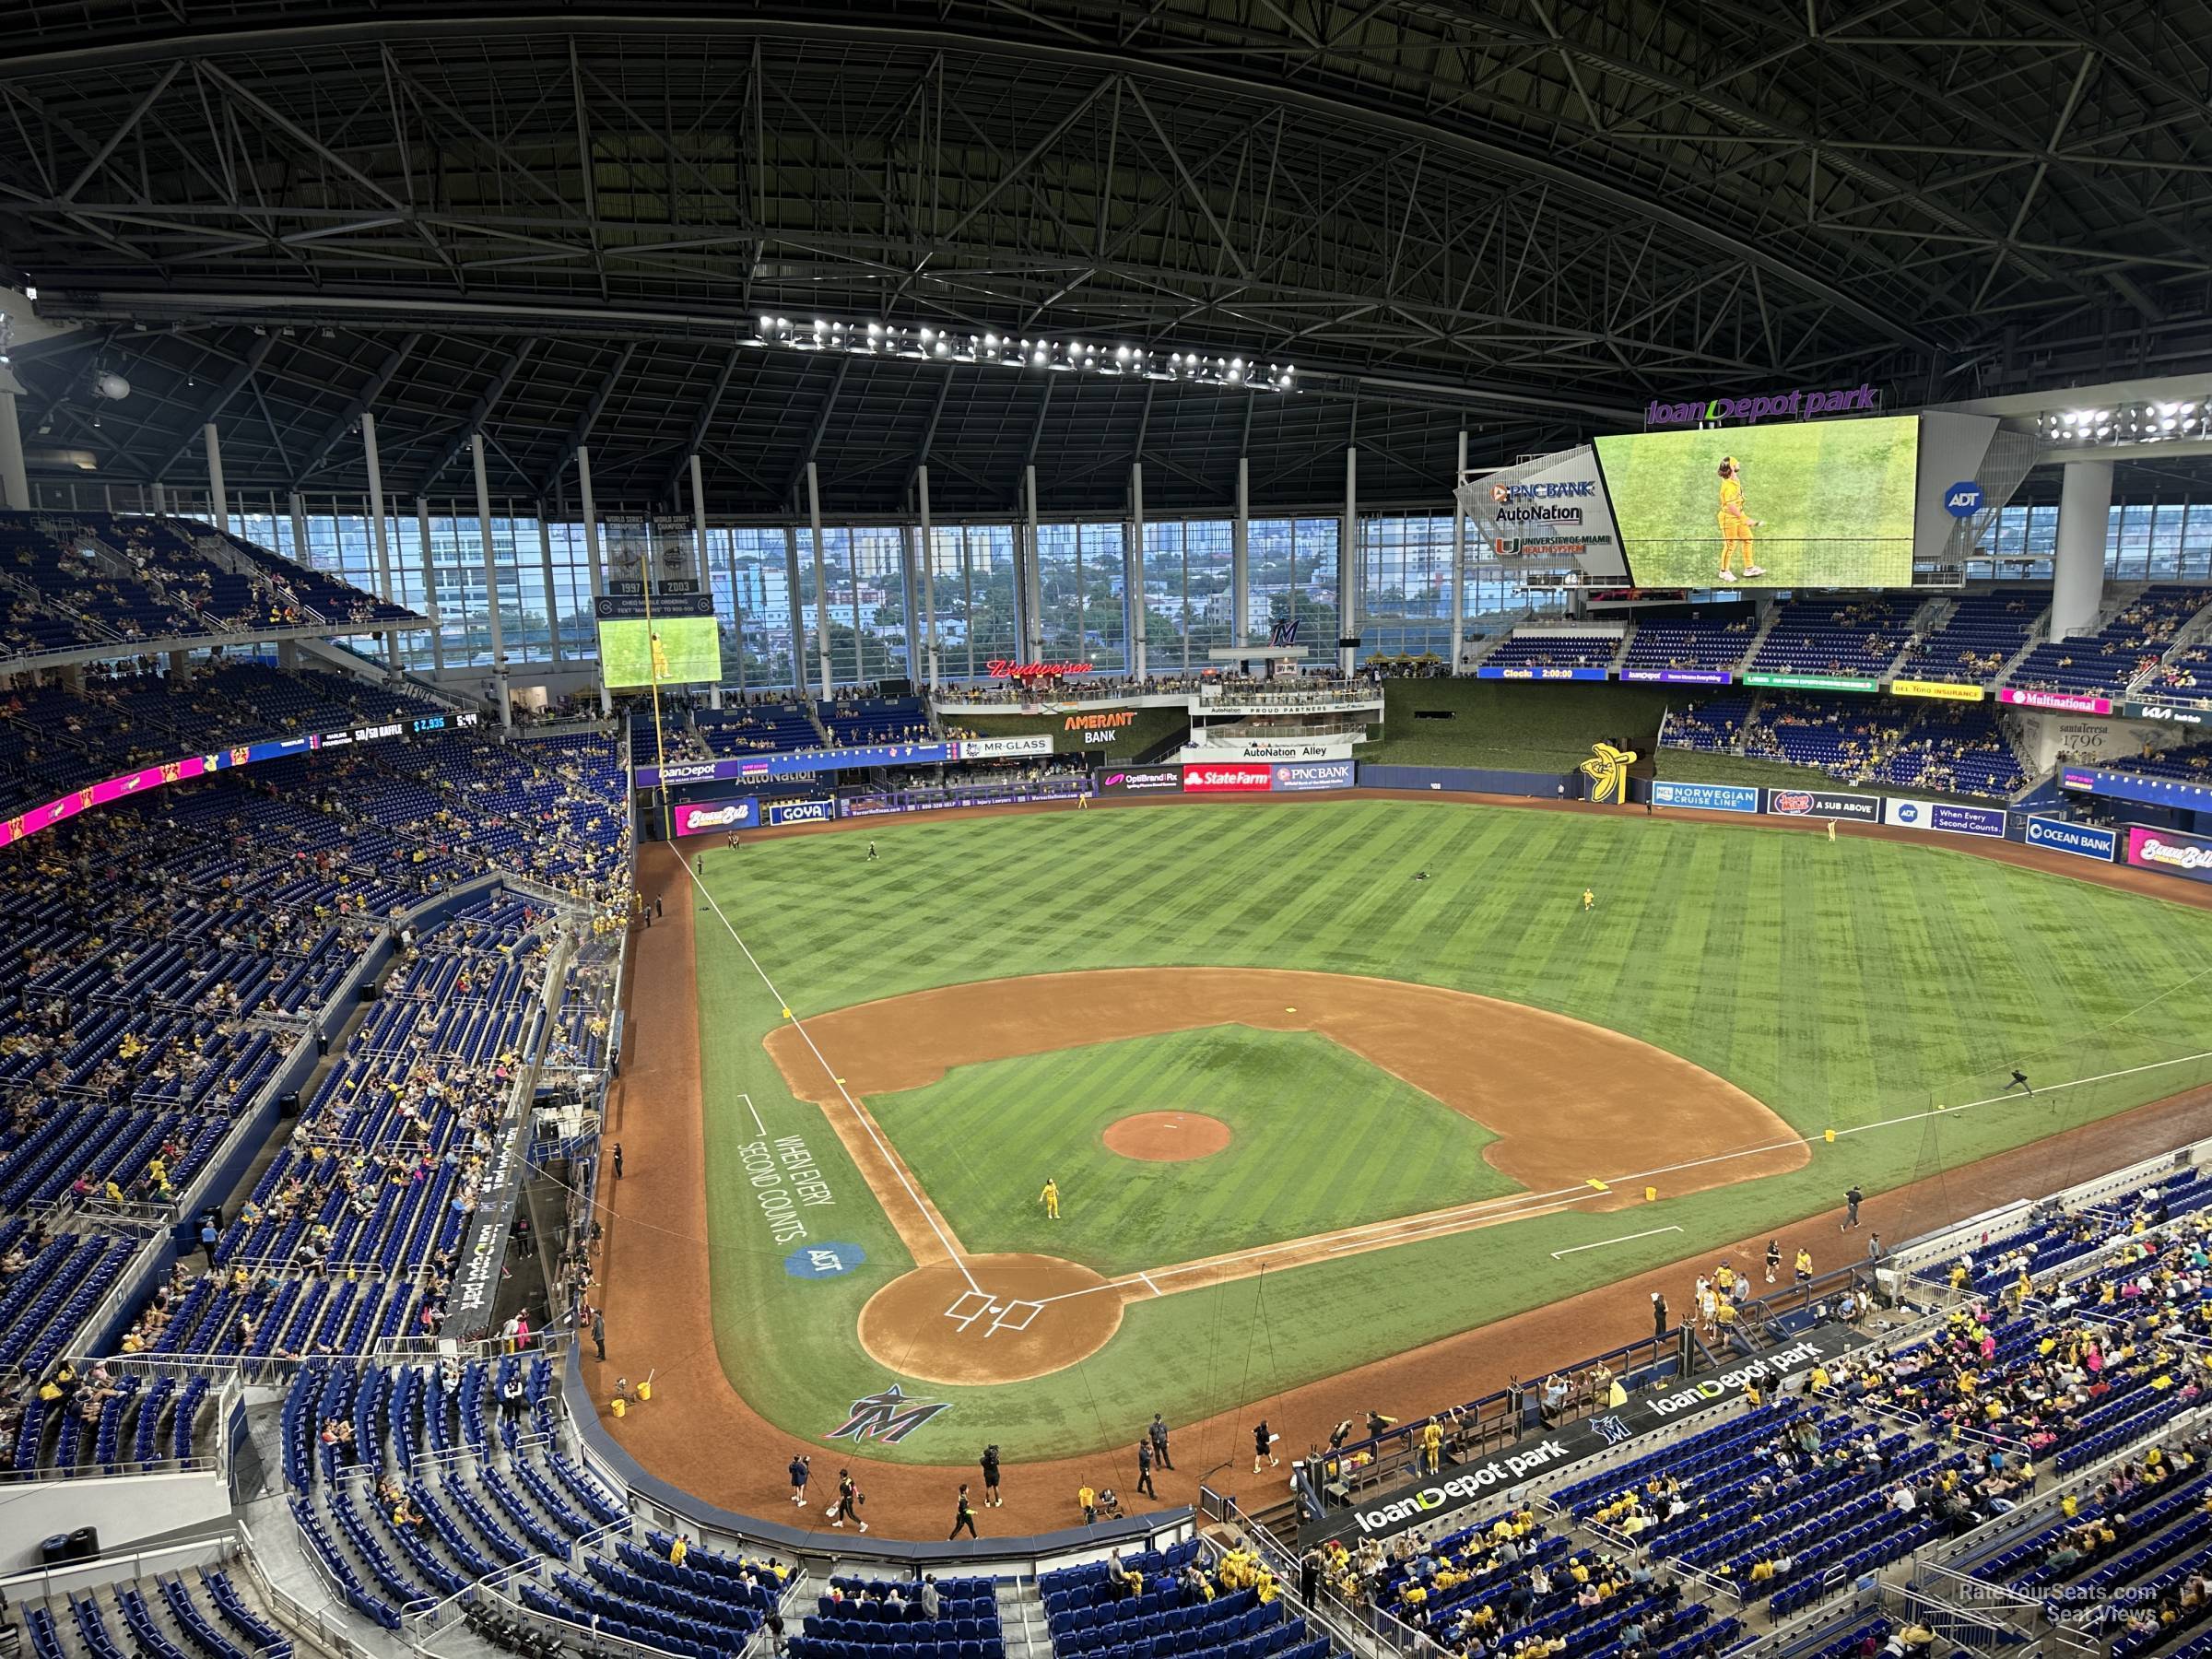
1707	797
1944	690
716	817
1228	777
1946	816
2070	702
1313	774
1679	677
799	812
1002	749
2084	840
1141	779
2170	851
1824	803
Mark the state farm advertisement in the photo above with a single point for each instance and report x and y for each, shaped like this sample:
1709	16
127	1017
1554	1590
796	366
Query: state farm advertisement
1228	777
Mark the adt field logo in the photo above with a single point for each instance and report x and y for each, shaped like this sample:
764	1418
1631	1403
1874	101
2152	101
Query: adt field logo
823	1261
1908	812
1962	500
888	1416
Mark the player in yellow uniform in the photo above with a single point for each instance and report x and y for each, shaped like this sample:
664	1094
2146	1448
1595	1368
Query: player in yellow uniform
660	660
1735	524
1049	1199
1589	900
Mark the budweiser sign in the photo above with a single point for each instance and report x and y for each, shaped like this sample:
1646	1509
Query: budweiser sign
1006	669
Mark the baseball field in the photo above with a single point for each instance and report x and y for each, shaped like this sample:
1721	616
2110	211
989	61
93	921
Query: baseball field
1319	1082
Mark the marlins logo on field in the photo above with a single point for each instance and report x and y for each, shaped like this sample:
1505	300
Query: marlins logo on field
1607	769
888	1416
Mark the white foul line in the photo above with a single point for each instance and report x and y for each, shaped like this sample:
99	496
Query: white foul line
1624	1239
1155	1289
760	1128
896	1167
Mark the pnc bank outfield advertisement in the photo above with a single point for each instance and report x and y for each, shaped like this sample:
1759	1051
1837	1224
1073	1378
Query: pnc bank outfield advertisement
1812	504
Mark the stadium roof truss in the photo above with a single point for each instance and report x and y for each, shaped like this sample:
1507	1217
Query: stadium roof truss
558	222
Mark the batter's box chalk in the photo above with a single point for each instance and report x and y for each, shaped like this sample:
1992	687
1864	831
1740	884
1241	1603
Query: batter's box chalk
967	1308
1015	1316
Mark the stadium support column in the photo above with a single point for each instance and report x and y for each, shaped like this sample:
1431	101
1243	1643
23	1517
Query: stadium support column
1459	558
907	599
161	500
1133	579
1034	567
798	611
591	551
429	583
299	512
1348	564
2085	507
15	477
219	506
544	566
376	524
1240	559
491	582
821	585
706	573
929	573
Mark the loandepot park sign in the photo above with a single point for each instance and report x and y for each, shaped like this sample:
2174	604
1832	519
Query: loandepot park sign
1802	404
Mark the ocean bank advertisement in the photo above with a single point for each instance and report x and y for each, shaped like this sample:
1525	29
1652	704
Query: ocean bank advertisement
1821	504
2063	835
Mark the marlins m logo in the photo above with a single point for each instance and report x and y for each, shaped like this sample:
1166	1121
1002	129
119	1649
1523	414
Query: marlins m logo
1613	1430
1607	769
1284	631
888	1416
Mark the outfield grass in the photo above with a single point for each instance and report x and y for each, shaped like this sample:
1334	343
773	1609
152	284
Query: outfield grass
1511	725
1843	983
1377	1148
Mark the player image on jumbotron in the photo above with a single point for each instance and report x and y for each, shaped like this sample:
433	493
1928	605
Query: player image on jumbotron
1736	523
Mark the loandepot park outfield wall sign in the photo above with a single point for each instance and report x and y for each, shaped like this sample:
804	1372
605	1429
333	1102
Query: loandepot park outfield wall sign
1498	1475
1799	403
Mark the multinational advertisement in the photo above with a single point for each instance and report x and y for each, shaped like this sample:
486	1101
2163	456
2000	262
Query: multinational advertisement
2170	851
1707	797
1828	504
1552	509
1824	803
1002	749
145	779
1679	677
1487	672
717	817
1497	1474
1945	815
1228	777
2069	702
2167	713
1141	779
2137	786
799	812
1313	774
1811	682
2063	835
801	763
1944	690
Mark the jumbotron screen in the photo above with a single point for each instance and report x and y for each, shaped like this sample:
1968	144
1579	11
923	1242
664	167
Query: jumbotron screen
668	651
1812	504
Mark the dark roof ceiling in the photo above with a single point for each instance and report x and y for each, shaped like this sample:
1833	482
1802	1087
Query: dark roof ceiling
1529	218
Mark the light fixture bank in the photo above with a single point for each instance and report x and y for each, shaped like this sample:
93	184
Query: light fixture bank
1010	351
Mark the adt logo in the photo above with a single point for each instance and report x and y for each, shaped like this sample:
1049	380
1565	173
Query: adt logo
1908	812
823	1261
1962	500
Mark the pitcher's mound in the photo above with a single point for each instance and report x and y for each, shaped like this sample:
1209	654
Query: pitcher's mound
1167	1136
1015	1322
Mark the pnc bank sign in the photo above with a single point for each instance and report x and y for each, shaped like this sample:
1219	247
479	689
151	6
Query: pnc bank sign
1801	404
